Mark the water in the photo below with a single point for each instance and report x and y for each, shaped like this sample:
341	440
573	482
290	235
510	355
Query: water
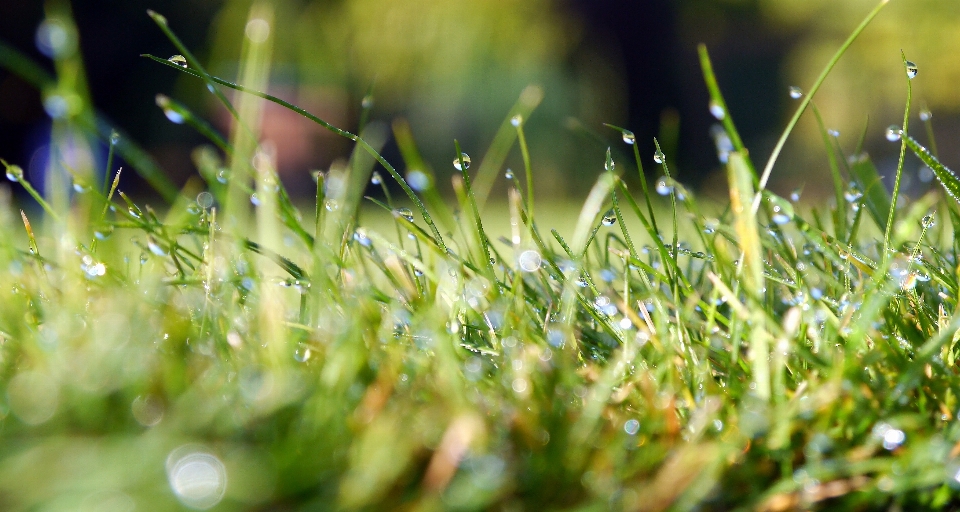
609	218
911	70
853	193
608	163
466	162
155	247
302	354
662	187
205	200
375	178
174	116
223	176
14	173
55	39
406	213
56	106
833	133
516	120
928	221
367	102
529	261
631	427
796	92
114	138
418	180
659	157
717	111
197	478
925	115
179	60
893	133
508	174
629	137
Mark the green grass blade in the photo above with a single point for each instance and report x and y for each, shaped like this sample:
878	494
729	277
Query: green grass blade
768	168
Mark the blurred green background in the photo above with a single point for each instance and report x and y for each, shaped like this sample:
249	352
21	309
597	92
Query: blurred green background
454	68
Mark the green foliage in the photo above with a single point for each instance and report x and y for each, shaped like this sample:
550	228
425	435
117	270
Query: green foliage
238	354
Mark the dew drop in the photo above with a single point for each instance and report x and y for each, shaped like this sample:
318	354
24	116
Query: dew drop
659	157
717	111
529	261
331	206
255	199
609	218
419	181
796	92
205	200
223	176
833	133
516	121
367	102
662	187
508	174
911	70
893	133
925	115
928	221
853	193
466	162
302	354
795	195
14	173
155	247
608	163
114	138
375	178
629	137
179	60
406	213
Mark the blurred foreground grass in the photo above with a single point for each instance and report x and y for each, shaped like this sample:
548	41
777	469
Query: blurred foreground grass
231	350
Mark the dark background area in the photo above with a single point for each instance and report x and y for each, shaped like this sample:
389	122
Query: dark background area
652	43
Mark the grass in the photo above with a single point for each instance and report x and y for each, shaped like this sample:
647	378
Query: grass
233	352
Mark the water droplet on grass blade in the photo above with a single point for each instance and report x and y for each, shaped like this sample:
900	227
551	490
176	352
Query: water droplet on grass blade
302	354
893	133
375	178
609	218
911	70
155	247
928	221
14	173
179	60
508	174
516	120
466	162
629	137
833	133
366	102
114	138
406	213
796	92
223	175
853	193
717	111
659	157
662	187
925	115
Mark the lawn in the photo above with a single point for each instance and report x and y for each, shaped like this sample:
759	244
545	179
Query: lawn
227	348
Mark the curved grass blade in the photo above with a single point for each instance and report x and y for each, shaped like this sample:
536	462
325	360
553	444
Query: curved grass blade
947	178
875	195
768	168
343	133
